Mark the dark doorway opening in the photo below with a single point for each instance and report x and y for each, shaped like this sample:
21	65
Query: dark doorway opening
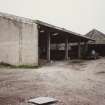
55	43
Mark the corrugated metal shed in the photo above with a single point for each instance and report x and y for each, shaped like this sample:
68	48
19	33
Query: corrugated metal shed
98	36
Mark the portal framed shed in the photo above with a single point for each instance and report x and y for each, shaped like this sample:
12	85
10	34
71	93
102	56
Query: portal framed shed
99	44
50	34
23	41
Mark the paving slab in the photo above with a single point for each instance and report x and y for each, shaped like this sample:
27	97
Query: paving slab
42	100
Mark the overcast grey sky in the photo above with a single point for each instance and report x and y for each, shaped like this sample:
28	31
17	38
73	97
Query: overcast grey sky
76	15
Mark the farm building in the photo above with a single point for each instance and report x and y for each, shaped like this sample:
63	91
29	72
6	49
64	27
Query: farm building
24	41
99	44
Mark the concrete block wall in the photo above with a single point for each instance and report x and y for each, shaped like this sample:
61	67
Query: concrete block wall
18	41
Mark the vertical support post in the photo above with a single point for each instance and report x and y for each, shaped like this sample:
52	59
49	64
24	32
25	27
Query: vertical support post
48	47
86	48
66	49
79	49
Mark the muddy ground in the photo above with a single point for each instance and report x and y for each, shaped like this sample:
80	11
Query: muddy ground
72	83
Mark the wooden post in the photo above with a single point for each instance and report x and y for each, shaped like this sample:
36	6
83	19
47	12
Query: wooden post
66	49
48	47
79	49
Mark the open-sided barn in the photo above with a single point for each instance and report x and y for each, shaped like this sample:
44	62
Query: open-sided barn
24	41
99	44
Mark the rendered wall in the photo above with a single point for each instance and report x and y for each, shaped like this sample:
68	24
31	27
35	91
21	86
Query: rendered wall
18	42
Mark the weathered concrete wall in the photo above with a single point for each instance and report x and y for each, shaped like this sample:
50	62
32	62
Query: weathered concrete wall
18	41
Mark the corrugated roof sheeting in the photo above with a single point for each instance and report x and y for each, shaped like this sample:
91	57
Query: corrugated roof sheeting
98	36
30	21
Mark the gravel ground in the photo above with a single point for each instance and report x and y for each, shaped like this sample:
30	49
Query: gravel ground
72	83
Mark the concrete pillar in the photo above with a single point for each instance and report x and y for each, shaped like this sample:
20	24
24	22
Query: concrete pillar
48	47
85	48
66	49
79	49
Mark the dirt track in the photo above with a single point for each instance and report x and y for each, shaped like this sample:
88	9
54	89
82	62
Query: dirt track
71	83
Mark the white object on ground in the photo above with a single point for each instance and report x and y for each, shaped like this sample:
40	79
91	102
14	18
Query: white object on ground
42	100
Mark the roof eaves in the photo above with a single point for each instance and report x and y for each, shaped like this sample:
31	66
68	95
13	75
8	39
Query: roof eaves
62	29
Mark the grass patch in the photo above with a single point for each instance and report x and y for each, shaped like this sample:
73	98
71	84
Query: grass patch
27	66
2	65
5	65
